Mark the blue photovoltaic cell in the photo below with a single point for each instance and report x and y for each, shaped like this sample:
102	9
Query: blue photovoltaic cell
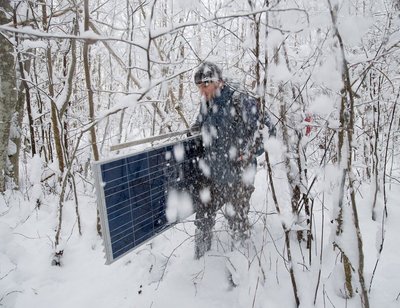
133	191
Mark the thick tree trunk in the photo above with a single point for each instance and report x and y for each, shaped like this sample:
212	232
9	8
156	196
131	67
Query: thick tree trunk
16	137
8	94
23	96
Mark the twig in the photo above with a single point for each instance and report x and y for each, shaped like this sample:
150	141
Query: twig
255	292
27	237
327	296
9	272
321	252
380	250
167	261
7	294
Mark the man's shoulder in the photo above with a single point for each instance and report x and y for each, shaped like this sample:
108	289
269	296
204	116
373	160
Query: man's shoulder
245	100
240	95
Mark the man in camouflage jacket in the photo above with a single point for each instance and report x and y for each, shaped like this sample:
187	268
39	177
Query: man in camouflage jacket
228	121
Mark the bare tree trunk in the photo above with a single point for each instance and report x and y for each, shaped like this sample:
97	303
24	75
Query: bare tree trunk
86	63
375	158
15	138
22	68
54	111
66	95
8	94
389	133
347	119
285	229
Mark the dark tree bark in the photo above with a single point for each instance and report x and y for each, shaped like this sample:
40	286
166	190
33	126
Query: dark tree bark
8	93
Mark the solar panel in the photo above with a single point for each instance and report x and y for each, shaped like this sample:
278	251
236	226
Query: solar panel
132	192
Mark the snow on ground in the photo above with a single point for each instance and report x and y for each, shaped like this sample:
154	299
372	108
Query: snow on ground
163	272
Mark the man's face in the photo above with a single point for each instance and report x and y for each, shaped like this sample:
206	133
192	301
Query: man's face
208	89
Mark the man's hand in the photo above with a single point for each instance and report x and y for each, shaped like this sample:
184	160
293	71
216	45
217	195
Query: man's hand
194	130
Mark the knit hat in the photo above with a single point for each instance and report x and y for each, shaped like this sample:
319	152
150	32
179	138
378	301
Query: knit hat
207	72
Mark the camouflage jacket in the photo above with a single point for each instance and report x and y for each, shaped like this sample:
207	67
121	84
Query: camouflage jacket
229	126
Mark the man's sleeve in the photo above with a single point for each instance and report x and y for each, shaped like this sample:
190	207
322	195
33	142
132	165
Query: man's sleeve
196	126
255	137
250	120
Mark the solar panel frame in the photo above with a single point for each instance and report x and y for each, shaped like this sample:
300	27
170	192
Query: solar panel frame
117	188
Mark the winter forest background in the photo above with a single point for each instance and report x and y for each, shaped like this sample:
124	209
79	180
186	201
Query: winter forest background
80	76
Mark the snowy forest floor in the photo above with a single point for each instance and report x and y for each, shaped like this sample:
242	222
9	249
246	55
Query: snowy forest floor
163	272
